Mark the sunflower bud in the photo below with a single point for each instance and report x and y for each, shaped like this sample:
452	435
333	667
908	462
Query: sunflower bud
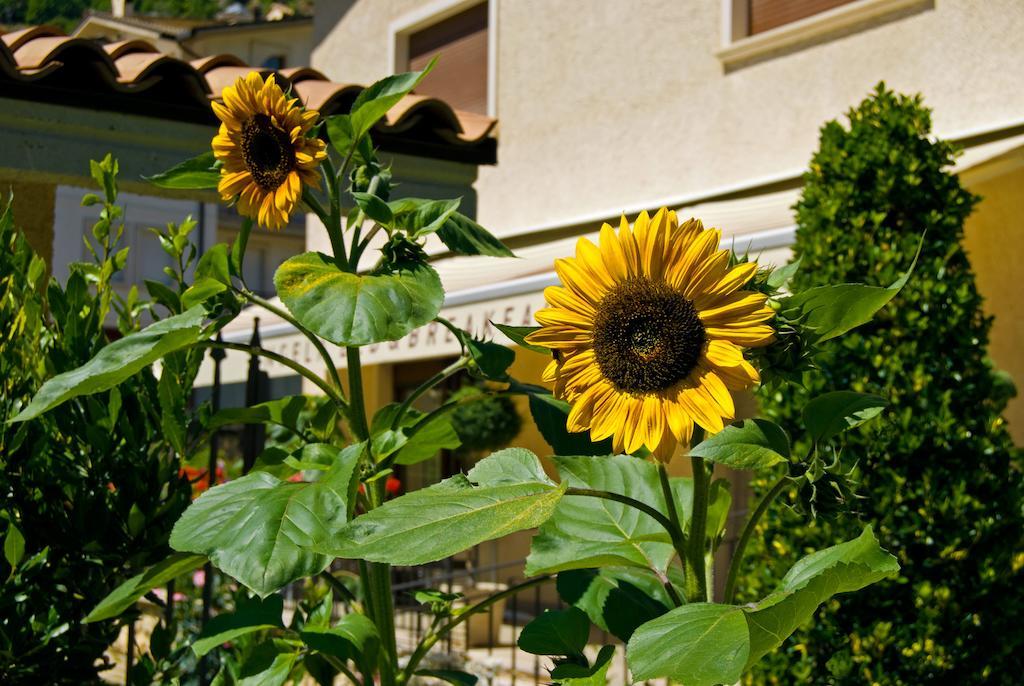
362	178
400	250
827	491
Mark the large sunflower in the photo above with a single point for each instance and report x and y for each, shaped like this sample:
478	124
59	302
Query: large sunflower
648	331
266	153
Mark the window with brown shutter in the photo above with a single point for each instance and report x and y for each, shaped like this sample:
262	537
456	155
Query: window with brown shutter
769	14
460	76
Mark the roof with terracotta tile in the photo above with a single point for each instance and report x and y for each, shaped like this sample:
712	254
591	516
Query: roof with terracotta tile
42	63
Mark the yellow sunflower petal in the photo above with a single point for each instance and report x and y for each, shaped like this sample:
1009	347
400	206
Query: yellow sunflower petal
260	108
608	322
588	258
612	253
665	449
723	354
558	337
706	274
561	297
726	308
740	377
737	277
747	336
679	422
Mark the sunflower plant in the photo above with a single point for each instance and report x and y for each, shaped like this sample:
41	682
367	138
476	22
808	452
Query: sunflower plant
653	331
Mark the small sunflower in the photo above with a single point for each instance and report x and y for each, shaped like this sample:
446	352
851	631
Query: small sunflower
265	151
648	331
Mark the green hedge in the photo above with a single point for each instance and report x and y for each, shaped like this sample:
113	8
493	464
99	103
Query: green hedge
939	474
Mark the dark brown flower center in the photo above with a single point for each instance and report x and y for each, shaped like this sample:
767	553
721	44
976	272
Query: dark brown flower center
647	336
267	151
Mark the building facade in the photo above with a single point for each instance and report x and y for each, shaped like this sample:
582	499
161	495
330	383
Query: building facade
709	107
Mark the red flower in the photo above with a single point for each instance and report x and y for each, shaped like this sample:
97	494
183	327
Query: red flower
197	477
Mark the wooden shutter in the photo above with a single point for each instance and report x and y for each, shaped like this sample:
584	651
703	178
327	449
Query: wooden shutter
460	77
769	14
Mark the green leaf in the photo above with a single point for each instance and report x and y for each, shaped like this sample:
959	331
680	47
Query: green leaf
490	360
14	546
250	616
354	637
464	236
118	361
617	599
700	644
749	444
436	435
569	674
451	676
352	309
214	264
444	519
781	276
556	632
238	248
550	415
814	579
321	456
201	291
419	217
342	135
125	595
373	207
163	295
518	334
269	664
286	412
374	102
589	532
259	529
319	617
707	644
830	414
831	311
199	172
509	466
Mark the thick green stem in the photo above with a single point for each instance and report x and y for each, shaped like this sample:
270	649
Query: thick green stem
696	575
333	230
360	426
380	603
376	576
748	531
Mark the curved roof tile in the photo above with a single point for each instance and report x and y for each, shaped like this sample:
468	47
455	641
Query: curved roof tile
42	63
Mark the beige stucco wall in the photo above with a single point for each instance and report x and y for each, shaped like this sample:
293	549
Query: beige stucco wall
255	45
604	105
33	212
994	238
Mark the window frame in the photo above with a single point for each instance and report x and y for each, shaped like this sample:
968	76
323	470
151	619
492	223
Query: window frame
739	47
435	12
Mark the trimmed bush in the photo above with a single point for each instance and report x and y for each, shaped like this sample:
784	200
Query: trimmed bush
938	474
88	491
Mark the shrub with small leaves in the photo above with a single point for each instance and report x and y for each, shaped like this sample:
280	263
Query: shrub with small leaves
943	484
